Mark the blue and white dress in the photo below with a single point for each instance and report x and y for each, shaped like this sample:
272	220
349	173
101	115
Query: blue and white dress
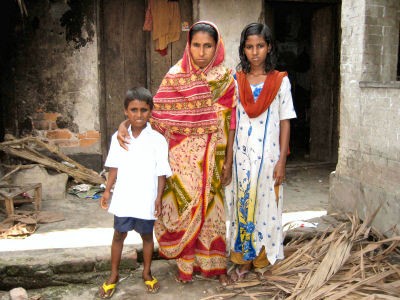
254	210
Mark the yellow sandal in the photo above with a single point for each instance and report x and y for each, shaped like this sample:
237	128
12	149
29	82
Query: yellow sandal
150	285
108	287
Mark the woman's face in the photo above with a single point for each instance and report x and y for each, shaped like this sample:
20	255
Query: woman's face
202	48
256	50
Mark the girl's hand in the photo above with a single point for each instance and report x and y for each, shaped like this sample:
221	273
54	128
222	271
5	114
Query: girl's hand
279	173
157	208
226	174
104	200
123	136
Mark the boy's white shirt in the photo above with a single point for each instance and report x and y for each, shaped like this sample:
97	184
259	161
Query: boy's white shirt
136	185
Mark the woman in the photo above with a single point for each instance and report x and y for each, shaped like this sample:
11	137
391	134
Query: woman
260	148
193	108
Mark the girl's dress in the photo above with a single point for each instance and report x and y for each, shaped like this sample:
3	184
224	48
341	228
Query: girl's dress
193	109
255	206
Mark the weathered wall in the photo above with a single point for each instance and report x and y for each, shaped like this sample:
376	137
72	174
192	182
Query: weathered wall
57	74
368	170
230	16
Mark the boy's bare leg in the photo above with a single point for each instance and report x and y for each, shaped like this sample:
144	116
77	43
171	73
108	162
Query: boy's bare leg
116	253
148	248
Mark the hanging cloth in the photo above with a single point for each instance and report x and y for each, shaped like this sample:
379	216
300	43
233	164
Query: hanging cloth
148	19
166	21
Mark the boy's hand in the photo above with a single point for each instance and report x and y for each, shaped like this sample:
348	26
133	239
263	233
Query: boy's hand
157	208
104	200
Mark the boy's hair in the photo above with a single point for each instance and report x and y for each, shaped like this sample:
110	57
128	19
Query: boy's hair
139	93
265	32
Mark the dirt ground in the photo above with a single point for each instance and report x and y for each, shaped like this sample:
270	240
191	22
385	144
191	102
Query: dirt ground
87	232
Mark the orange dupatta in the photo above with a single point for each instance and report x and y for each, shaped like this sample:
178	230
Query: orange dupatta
270	89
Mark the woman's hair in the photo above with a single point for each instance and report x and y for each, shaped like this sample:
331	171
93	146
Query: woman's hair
139	93
265	32
203	27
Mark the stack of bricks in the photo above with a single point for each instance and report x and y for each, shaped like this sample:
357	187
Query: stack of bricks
45	125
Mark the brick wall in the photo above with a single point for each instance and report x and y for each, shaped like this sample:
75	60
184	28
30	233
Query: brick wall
45	125
381	34
367	175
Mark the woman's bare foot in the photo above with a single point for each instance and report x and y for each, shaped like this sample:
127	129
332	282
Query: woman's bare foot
224	280
180	280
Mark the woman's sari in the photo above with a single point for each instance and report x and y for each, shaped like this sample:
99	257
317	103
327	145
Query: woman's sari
193	109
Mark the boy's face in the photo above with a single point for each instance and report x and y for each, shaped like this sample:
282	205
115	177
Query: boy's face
138	113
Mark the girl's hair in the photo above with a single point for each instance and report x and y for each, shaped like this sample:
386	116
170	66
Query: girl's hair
139	93
203	27
265	32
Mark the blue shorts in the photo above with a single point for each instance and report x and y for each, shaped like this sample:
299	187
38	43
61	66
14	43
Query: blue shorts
141	226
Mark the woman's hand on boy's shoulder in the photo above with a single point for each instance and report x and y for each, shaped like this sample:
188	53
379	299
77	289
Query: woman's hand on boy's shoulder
123	136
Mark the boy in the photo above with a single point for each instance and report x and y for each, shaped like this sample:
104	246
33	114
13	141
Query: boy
136	200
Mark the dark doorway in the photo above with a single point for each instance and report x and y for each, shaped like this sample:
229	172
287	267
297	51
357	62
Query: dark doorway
307	34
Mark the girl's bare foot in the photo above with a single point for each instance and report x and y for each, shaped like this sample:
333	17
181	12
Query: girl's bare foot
239	273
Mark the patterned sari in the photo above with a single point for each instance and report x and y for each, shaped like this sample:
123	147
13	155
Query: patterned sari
193	109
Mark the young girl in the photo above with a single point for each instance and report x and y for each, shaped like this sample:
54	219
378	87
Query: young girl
260	148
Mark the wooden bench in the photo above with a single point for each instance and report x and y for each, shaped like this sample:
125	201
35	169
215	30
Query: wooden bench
11	194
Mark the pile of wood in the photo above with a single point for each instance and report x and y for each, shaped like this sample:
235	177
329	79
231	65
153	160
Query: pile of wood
347	261
48	155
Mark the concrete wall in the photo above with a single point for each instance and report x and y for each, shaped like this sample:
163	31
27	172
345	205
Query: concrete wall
57	84
230	16
368	170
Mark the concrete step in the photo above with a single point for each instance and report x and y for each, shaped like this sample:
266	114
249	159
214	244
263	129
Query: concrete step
53	267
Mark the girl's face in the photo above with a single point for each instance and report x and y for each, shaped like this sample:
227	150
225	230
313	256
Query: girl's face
256	50
138	112
202	49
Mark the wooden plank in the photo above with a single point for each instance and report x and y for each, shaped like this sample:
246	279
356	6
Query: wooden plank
134	44
113	64
322	67
123	55
186	10
159	66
